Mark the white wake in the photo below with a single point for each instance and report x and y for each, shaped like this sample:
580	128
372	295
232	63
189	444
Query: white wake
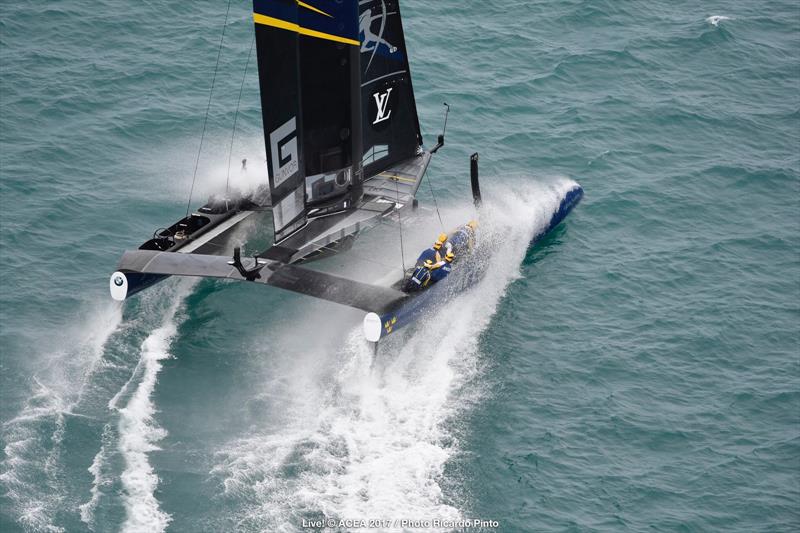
100	480
139	433
364	439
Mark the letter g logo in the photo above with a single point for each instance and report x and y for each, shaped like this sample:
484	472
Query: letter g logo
283	148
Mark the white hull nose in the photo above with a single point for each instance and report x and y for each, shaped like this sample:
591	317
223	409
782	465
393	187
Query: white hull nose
372	327
118	285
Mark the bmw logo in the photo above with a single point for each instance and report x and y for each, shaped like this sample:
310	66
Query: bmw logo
118	281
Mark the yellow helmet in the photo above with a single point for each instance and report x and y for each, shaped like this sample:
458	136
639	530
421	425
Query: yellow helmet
450	256
472	224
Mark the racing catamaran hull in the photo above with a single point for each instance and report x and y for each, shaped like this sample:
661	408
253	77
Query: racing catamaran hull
205	231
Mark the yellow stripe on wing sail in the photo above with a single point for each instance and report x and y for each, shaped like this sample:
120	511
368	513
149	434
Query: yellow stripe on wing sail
312	8
258	18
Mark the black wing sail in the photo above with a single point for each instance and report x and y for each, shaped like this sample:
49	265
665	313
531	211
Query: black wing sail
390	124
308	63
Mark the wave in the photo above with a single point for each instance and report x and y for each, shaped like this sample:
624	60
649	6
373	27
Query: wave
371	437
714	20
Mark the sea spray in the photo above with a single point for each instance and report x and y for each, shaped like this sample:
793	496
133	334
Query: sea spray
376	440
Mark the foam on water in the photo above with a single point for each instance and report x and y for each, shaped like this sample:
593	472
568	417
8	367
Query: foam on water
714	20
99	479
31	470
139	433
376	440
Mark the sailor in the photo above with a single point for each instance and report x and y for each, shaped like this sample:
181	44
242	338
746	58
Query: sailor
433	254
464	238
440	270
420	278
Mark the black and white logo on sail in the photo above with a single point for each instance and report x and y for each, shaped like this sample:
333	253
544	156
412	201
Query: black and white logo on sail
382	106
283	148
373	31
372	40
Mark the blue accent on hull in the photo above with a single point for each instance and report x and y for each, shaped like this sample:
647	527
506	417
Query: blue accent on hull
572	198
463	278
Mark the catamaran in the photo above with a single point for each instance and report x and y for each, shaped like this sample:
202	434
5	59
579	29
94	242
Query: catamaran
344	152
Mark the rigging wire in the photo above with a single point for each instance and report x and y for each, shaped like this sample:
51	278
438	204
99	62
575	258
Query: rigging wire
236	116
208	108
400	221
430	181
436	205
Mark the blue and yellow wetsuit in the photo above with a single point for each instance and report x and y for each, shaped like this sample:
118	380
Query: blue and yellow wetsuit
419	279
440	271
431	266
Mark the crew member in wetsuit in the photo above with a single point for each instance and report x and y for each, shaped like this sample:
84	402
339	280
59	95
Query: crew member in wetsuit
463	239
420	278
431	266
440	270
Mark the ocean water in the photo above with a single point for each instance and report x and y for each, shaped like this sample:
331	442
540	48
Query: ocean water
637	370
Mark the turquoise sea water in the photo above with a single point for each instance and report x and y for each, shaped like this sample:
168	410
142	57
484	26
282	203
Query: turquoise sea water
637	370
